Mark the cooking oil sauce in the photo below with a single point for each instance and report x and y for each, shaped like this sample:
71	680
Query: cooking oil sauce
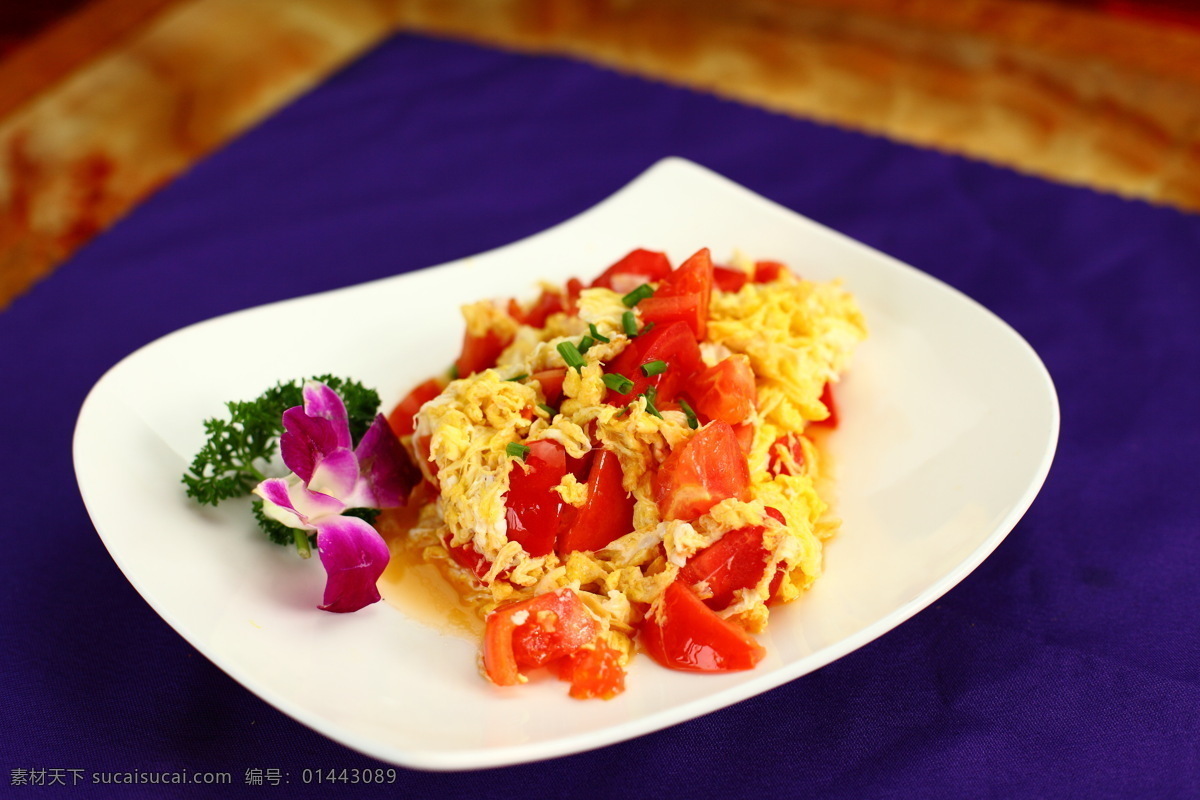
417	588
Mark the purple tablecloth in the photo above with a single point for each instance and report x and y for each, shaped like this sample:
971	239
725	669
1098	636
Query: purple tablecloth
1068	664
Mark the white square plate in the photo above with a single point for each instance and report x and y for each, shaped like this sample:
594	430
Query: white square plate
949	425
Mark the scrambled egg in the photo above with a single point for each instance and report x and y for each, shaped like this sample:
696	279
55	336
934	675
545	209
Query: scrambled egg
796	335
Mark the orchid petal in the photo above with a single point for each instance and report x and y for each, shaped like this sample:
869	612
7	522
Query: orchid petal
335	474
354	556
288	501
314	506
305	439
322	402
387	474
277	503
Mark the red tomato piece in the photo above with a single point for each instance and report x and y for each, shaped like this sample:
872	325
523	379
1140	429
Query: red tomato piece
552	384
767	271
534	632
592	672
467	557
729	280
683	296
827	400
581	467
574	287
480	352
401	418
703	471
640	266
724	391
608	512
789	444
677	308
688	635
675	344
745	436
735	561
547	303
534	509
553	630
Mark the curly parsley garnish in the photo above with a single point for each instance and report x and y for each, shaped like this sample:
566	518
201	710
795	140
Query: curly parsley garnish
231	461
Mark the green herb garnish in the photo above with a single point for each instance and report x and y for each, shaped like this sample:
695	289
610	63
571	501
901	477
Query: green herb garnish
551	410
596	334
638	295
657	367
617	382
517	450
571	355
629	324
585	344
649	394
692	420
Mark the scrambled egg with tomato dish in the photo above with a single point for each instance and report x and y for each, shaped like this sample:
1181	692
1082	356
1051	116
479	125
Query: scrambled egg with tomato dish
628	465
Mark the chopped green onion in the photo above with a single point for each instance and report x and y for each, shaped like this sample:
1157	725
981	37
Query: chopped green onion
551	410
654	368
596	334
571	355
517	450
629	323
649	327
585	343
693	422
650	407
520	377
453	372
638	295
618	383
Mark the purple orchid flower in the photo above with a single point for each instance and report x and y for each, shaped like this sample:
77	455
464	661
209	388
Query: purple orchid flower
329	477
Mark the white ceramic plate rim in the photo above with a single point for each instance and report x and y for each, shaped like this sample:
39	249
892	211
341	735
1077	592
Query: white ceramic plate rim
110	416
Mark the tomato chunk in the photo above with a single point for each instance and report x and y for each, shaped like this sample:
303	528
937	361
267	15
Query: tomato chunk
687	635
640	266
480	352
547	303
534	632
683	296
607	514
729	280
675	344
735	561
467	557
552	384
534	510
767	271
724	391
702	472
401	418
574	287
593	672
827	400
745	436
781	449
